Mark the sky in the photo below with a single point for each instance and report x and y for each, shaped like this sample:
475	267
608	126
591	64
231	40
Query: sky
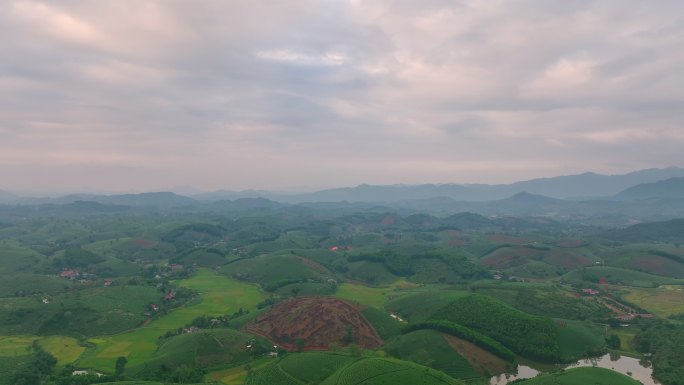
135	95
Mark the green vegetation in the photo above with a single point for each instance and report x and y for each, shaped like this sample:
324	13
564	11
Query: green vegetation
579	339
430	348
618	276
582	376
386	326
273	272
420	306
205	348
305	368
663	301
527	335
665	340
466	334
544	299
171	295
219	295
88	311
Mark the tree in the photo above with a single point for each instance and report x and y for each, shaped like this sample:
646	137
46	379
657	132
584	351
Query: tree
613	341
299	343
120	366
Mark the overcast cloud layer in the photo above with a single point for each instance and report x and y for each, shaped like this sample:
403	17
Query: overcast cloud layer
145	95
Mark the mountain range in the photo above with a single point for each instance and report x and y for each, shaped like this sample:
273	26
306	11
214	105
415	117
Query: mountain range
581	186
652	194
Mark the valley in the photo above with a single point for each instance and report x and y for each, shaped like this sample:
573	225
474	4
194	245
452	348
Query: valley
279	297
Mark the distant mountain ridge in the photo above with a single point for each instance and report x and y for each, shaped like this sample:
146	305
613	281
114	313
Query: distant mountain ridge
142	199
561	187
668	188
7	197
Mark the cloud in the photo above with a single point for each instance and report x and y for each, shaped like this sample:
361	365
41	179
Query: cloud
319	93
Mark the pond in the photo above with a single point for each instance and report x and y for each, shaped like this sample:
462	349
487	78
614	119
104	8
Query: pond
638	369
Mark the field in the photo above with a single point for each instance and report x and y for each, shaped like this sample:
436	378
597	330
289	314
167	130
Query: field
375	296
662	301
219	295
366	295
315	323
65	349
15	345
339	369
582	376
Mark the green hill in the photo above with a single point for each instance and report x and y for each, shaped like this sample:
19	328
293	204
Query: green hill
525	334
275	271
341	369
582	376
204	348
430	348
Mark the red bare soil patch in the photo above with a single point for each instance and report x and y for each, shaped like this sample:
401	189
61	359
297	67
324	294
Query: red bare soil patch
318	321
456	242
144	243
389	220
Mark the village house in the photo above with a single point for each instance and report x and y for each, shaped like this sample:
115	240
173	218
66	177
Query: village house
590	291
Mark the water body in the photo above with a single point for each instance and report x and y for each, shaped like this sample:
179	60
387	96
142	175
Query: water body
639	370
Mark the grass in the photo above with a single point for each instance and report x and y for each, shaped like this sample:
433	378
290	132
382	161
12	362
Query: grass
366	295
577	339
219	294
65	349
662	301
626	335
374	296
582	376
11	346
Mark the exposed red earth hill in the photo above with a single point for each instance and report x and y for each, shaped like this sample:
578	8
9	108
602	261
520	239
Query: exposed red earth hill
317	321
